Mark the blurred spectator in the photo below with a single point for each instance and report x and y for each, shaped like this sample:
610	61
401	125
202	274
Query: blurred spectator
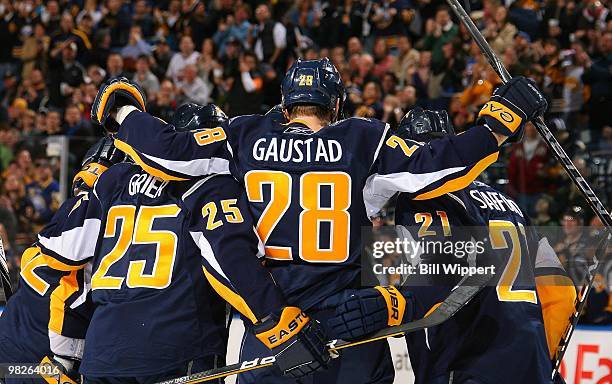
407	59
42	193
245	87
439	32
143	18
270	38
186	56
136	46
117	21
599	77
574	245
66	74
192	89
500	32
527	169
236	27
34	51
144	77
164	102
74	123
114	66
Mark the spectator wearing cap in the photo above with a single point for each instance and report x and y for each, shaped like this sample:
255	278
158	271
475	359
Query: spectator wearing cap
136	45
439	31
187	55
66	35
144	77
269	39
162	54
118	22
527	169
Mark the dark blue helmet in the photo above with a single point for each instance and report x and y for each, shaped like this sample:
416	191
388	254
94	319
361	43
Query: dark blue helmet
189	117
425	125
313	82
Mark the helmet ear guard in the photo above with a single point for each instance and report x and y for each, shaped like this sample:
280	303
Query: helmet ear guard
424	125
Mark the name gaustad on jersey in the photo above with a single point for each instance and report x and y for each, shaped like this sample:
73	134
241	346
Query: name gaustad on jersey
285	150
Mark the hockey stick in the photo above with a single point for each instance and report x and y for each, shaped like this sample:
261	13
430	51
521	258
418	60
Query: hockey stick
565	161
5	278
601	256
539	123
458	298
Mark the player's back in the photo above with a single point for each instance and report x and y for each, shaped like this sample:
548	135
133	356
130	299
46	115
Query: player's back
496	324
154	308
33	309
305	189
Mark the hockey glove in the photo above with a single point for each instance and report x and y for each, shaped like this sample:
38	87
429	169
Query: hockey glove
69	367
112	95
298	343
369	310
512	106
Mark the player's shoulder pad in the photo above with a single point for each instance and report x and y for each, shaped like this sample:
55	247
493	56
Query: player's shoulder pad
363	123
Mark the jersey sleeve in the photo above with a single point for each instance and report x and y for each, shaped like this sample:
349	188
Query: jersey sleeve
425	171
556	292
223	230
170	155
71	236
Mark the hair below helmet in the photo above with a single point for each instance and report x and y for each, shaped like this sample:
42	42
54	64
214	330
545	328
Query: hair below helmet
189	117
424	125
313	82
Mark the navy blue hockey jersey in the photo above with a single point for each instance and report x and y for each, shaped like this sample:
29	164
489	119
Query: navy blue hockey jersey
504	322
148	241
51	302
310	192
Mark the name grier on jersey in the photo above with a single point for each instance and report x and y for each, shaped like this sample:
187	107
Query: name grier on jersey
294	150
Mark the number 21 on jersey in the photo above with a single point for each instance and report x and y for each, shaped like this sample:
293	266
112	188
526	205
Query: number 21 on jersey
313	213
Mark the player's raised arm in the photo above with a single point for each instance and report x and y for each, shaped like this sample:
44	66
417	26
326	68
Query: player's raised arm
429	170
194	144
223	229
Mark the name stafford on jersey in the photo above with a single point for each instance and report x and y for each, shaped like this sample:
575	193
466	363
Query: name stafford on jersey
287	150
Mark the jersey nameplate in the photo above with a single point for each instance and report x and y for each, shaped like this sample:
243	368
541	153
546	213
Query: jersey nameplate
146	184
297	150
495	201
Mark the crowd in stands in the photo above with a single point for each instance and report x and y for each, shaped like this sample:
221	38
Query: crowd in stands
393	55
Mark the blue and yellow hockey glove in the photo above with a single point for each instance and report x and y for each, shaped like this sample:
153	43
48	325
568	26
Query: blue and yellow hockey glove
369	310
98	159
512	106
112	95
298	342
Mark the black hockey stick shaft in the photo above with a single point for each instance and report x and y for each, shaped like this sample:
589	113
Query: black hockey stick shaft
601	257
539	123
458	298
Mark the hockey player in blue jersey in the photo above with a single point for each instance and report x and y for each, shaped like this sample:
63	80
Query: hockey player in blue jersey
164	255
314	180
517	323
48	288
